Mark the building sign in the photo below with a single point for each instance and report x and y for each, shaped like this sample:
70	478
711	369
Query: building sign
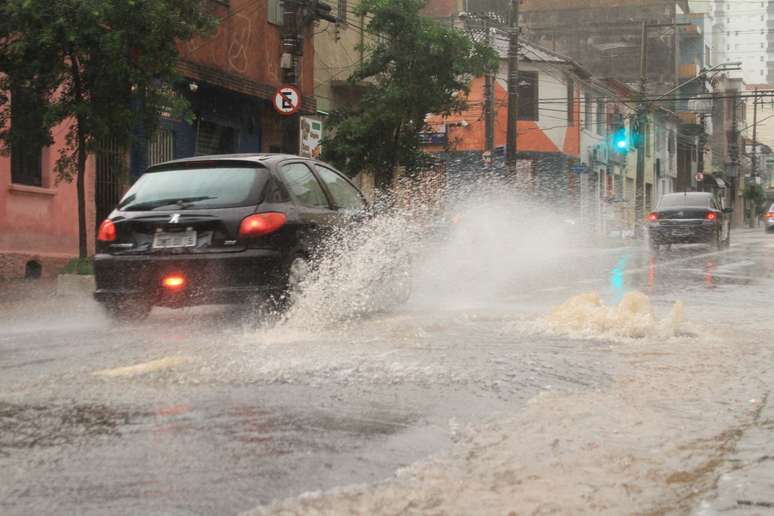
287	100
311	136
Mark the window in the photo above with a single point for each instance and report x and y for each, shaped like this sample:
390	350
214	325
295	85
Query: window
275	14
600	116
587	114
161	147
206	188
528	96
345	196
304	186
570	102
26	158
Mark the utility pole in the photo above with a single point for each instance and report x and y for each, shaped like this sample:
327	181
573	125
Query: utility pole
733	150
511	144
297	15
639	196
755	135
754	173
489	98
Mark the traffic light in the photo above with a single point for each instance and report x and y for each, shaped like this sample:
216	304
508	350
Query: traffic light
621	140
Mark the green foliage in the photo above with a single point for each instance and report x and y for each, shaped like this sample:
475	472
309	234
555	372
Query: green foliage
94	61
415	66
756	196
82	266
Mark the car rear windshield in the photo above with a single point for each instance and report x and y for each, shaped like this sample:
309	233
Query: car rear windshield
685	201
196	188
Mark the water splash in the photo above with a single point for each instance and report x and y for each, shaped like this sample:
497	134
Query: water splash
587	315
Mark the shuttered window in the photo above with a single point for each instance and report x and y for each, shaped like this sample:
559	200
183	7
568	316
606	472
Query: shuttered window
212	138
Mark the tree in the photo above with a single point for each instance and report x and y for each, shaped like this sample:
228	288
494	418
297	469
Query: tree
415	66
106	66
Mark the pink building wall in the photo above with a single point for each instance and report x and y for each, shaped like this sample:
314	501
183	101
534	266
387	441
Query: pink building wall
41	223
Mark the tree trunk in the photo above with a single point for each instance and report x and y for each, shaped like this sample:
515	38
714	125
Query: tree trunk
83	247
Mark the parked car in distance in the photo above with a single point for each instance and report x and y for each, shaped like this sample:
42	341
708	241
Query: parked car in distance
768	219
218	229
689	217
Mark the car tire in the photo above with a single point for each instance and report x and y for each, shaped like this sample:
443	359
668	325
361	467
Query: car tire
128	310
286	295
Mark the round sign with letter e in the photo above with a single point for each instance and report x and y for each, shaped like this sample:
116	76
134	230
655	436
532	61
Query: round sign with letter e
287	100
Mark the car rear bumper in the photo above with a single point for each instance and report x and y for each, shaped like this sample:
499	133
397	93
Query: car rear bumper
209	278
679	233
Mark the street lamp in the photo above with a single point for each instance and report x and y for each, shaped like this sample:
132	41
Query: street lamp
735	64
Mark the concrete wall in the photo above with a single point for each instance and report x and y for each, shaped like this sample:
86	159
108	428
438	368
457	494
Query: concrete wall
41	223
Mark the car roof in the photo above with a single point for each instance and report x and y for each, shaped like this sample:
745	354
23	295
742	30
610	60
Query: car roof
262	158
687	194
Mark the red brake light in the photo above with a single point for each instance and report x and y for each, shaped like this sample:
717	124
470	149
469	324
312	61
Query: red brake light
262	224
107	231
711	215
174	281
770	215
653	217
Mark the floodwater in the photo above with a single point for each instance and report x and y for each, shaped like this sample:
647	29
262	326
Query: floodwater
531	371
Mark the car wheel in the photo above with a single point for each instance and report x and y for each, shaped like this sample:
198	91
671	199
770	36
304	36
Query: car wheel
284	297
128	310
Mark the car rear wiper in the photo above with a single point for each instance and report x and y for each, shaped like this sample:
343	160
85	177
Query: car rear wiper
182	202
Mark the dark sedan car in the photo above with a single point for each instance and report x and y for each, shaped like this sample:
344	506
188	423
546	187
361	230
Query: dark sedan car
689	217
218	229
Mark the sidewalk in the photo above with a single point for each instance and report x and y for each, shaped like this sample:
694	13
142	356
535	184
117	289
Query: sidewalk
31	300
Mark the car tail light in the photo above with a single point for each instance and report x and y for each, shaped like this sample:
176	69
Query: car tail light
261	224
173	281
711	215
653	217
107	231
770	215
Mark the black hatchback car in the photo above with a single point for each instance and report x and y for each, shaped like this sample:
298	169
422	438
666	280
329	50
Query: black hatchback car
689	217
218	229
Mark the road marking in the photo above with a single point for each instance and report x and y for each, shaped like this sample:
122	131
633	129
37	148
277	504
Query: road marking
144	368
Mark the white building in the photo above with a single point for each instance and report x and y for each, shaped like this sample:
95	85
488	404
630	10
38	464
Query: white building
740	33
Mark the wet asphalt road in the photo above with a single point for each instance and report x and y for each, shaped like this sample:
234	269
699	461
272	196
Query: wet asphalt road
198	412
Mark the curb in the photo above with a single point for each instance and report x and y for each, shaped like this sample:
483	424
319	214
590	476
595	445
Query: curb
70	285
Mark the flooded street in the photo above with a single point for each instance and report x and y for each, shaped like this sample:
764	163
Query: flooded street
510	394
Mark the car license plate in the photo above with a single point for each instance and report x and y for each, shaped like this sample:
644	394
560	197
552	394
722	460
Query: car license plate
681	232
168	240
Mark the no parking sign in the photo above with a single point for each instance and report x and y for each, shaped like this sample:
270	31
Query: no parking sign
287	100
